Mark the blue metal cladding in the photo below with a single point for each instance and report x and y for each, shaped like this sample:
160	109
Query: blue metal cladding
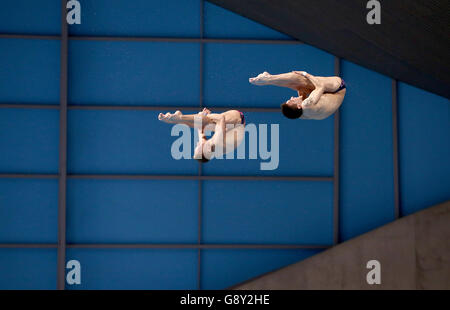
131	211
224	268
29	71
28	210
136	268
367	186
27	269
29	140
31	17
134	73
162	18
259	212
424	129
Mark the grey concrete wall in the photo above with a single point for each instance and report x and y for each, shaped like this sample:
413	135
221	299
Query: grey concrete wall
414	253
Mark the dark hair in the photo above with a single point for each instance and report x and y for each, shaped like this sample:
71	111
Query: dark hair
290	112
203	159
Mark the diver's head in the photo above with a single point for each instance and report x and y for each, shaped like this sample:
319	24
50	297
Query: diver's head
291	110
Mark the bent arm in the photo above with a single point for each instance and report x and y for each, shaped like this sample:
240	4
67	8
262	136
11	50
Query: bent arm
313	98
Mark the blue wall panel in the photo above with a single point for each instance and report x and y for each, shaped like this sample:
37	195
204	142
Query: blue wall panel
130	211
229	66
33	269
224	268
367	199
28	210
305	148
29	71
122	142
221	23
134	73
136	269
267	212
30	16
424	129
159	18
29	140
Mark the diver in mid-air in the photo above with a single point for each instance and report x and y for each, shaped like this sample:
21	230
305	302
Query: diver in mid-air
318	97
228	130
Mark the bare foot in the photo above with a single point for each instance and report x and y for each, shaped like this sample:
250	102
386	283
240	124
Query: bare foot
205	111
170	118
261	79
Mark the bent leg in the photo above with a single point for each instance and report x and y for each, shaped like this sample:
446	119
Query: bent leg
330	84
289	80
231	117
180	118
191	120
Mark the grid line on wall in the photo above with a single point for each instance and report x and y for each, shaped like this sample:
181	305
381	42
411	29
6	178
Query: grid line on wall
62	179
395	149
163	246
150	39
336	153
130	107
200	172
169	177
